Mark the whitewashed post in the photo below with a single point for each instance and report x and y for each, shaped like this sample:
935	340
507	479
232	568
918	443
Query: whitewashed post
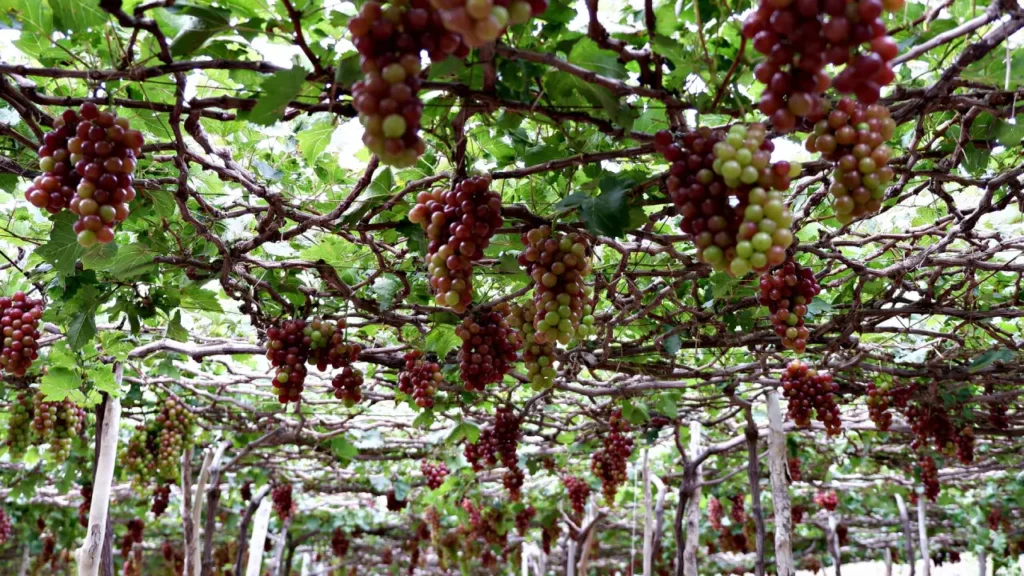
922	529
88	555
693	508
780	488
259	536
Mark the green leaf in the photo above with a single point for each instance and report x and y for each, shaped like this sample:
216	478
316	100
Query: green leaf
131	260
975	159
195	298
818	306
63	250
667	404
565	438
343	448
635	413
200	24
1011	134
471	432
163	203
175	331
608	214
102	379
441	340
81	329
98	257
314	139
385	288
58	383
348	71
586	53
77	16
990	357
116	344
278	91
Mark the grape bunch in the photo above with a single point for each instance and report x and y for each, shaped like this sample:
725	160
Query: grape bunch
288	349
434	473
393	503
965	445
930	421
348	386
808	389
420	379
499	442
339	543
389	37
133	536
523	519
854	136
827	500
161	498
85	506
19	318
549	536
489	347
796	513
579	491
19	424
55	187
878	405
995	519
799	39
284	505
795	473
736	512
459	224
609	463
558	264
787	291
715	513
246	491
57	423
484	452
997	411
539	357
5	526
481	22
729	196
154	451
929	477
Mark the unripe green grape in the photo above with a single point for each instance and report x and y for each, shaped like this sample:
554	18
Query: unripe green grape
739	266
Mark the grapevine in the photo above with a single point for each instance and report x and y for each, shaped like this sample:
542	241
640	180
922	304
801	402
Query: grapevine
420	379
489	347
854	136
808	389
609	464
787	291
434	473
19	318
459	224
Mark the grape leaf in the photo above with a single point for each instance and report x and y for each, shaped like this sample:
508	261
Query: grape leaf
102	379
63	250
314	139
131	260
278	91
441	340
175	331
82	328
58	383
201	24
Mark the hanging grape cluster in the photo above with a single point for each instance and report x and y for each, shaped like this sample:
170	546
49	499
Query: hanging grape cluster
539	357
5	526
339	543
800	38
796	513
827	500
420	379
854	136
393	503
929	477
998	416
132	537
459	224
319	342
489	347
794	469
579	491
729	196
284	505
154	450
878	405
85	506
19	319
161	498
787	291
930	421
57	423
19	424
496	443
434	473
715	513
523	519
481	22
808	389
348	385
609	463
390	37
737	512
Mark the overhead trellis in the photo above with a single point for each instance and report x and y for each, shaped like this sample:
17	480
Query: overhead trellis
257	204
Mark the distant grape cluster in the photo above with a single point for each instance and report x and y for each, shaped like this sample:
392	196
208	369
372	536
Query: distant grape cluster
319	342
794	469
801	38
930	421
715	513
5	526
854	136
434	473
394	504
154	451
578	490
736	512
19	424
459	224
729	196
523	519
161	498
481	22
499	442
609	464
796	513
827	500
489	347
284	505
19	319
132	537
339	543
57	423
348	385
787	291
85	506
808	389
420	379
878	405
998	416
929	477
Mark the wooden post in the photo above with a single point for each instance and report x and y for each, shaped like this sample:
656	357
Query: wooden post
908	540
833	542
922	529
259	535
982	563
754	479
780	488
648	519
693	506
243	527
887	558
279	548
96	539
